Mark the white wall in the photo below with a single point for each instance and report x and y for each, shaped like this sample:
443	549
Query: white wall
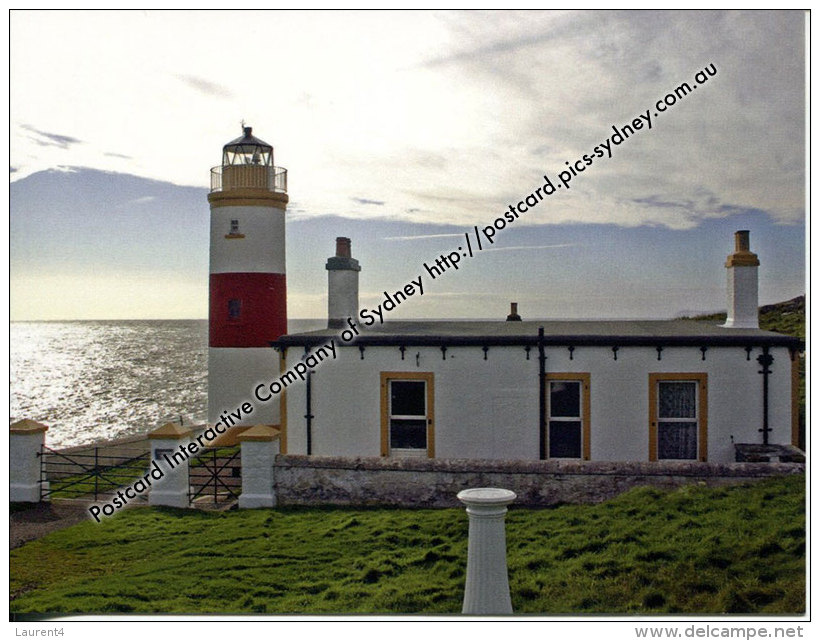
489	409
261	250
619	393
342	294
233	373
741	290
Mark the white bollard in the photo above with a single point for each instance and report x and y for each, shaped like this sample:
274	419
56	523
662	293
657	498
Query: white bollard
26	439
486	589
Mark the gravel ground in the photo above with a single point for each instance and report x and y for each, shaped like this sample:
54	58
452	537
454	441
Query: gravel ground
30	523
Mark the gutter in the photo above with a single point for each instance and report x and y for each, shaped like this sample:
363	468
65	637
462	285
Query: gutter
561	340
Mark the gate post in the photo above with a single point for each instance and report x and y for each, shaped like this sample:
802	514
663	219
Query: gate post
172	488
26	440
487	588
260	445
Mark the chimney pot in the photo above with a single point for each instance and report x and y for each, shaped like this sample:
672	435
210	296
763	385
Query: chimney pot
343	247
513	316
742	240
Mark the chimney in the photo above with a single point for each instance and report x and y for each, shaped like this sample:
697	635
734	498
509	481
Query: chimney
342	285
513	315
742	284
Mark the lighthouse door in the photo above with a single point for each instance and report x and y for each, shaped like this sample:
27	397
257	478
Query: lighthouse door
407	414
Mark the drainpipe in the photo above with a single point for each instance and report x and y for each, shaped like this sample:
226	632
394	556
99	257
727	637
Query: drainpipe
308	410
765	360
542	393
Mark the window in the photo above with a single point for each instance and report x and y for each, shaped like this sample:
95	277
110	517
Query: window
568	425
234	309
407	414
234	230
677	417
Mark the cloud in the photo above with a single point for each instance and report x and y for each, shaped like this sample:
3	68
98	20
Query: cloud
367	201
47	139
548	87
205	86
460	114
112	154
459	295
142	200
374	295
520	247
523	30
424	236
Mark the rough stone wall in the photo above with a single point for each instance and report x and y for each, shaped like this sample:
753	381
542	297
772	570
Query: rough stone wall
318	480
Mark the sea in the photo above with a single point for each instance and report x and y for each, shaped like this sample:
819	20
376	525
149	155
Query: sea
92	381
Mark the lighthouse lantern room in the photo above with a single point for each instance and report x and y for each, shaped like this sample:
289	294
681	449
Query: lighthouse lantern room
248	292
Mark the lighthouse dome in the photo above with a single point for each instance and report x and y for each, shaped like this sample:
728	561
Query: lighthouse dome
247	150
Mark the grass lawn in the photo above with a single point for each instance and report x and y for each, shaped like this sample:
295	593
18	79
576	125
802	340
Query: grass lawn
695	550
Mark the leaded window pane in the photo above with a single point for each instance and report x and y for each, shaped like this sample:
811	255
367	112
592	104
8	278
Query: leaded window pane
565	399
565	439
677	399
407	433
407	398
678	440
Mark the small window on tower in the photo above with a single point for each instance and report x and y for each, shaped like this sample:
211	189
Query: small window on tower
234	309
234	231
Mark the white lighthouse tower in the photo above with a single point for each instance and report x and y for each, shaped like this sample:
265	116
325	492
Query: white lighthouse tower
248	293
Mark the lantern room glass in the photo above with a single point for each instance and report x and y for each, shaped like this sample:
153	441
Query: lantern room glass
247	150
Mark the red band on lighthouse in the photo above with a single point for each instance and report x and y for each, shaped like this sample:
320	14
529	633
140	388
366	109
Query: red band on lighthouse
247	309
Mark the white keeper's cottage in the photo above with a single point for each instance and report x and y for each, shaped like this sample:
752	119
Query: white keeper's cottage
507	389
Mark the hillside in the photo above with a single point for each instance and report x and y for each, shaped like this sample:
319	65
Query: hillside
788	317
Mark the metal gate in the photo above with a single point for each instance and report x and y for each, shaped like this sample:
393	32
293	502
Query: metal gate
91	473
215	476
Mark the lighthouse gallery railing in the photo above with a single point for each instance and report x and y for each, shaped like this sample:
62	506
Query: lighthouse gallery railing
228	177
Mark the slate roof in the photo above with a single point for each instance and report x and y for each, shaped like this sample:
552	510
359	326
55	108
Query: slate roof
556	332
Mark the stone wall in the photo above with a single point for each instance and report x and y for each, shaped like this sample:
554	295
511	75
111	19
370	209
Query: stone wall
319	480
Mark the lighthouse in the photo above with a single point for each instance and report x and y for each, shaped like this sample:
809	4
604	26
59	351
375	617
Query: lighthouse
248	292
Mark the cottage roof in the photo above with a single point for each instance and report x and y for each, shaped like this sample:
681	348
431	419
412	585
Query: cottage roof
556	332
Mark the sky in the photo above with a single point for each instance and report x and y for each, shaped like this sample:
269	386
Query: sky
404	130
